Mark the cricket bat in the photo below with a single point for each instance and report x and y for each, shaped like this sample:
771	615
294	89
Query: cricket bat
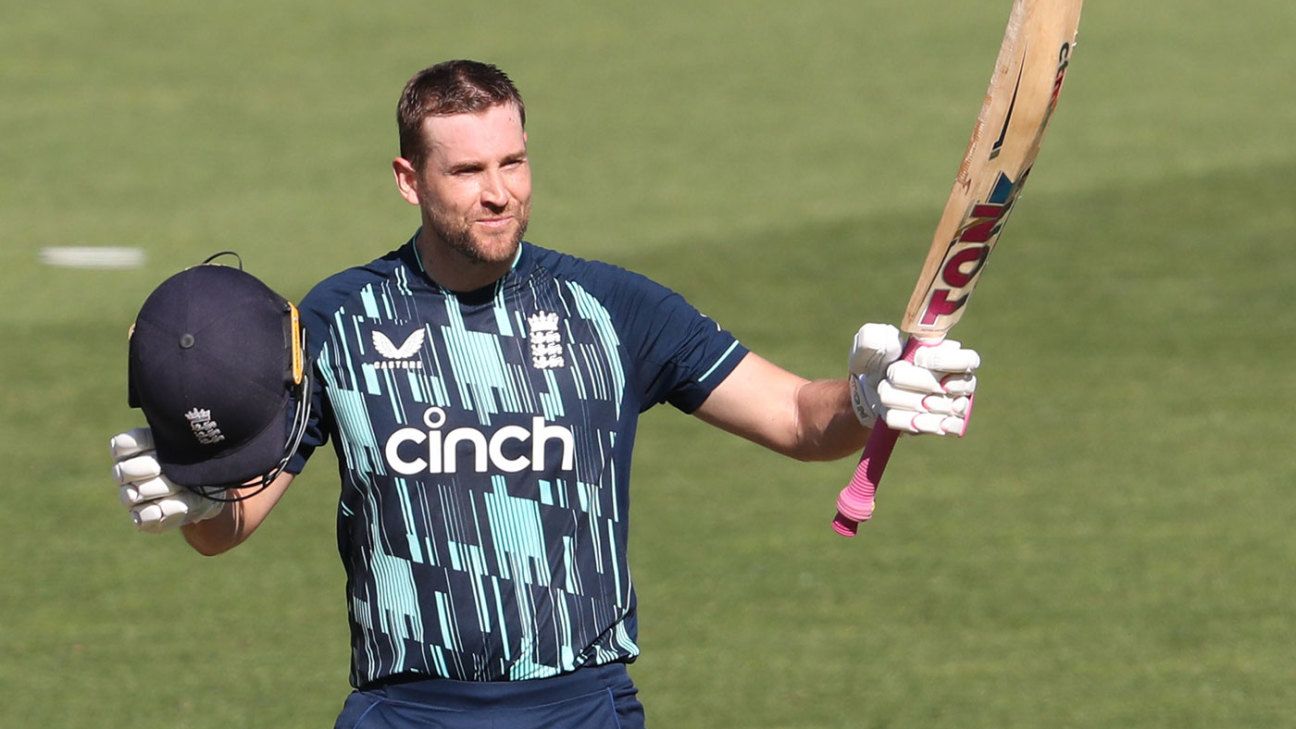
1023	93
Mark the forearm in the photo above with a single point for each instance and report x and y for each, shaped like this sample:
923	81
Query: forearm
804	419
218	534
237	521
827	428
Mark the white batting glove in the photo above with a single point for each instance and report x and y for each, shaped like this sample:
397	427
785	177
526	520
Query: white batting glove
155	503
933	394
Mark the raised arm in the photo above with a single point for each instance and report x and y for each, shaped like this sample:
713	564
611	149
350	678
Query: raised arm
828	419
804	419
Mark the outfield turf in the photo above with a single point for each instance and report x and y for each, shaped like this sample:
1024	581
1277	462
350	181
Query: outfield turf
1111	546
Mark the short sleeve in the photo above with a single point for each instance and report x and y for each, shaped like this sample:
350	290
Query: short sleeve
680	354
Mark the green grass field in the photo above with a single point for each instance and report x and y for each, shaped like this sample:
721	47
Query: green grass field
1110	547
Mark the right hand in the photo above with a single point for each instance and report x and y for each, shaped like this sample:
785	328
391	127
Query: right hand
154	502
932	394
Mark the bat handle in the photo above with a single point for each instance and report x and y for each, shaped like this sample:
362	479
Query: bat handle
855	502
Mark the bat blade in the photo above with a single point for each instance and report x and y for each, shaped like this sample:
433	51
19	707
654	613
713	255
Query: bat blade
1006	139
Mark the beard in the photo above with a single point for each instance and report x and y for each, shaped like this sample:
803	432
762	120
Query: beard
475	245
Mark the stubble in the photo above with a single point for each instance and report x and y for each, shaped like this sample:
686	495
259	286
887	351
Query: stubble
476	246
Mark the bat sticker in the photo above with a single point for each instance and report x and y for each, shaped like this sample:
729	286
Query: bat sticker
1064	60
968	252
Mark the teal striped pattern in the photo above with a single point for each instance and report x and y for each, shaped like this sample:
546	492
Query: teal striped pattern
491	575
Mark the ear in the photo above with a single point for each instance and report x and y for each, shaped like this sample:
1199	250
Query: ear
406	180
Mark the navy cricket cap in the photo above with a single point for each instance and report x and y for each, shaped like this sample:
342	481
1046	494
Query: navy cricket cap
217	366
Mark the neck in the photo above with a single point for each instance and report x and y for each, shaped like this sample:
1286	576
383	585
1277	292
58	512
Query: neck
453	270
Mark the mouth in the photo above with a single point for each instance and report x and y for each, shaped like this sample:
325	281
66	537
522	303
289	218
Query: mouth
500	221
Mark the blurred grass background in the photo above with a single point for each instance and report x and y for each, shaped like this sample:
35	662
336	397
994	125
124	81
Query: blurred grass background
1110	546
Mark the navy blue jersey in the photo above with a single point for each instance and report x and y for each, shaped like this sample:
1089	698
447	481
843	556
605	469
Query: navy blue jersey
484	444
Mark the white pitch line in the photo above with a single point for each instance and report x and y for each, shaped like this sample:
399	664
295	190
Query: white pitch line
92	256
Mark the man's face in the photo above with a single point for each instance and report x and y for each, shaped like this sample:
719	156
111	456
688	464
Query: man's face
474	188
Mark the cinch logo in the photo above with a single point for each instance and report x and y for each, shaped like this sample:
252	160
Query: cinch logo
439	452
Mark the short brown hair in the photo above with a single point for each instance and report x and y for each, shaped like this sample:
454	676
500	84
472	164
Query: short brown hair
450	87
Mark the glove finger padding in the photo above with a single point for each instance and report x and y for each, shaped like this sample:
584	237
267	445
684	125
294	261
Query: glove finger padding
136	469
908	376
185	507
162	514
907	421
151	490
948	356
895	398
130	443
959	384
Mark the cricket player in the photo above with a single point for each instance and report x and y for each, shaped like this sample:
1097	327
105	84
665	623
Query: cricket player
482	393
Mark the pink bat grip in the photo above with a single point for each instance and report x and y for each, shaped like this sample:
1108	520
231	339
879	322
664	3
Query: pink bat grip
855	502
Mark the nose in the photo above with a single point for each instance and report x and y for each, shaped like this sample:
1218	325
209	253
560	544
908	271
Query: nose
494	193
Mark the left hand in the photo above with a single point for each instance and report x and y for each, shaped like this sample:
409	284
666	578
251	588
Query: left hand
933	394
155	503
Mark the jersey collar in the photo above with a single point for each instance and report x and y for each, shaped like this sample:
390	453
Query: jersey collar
518	273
